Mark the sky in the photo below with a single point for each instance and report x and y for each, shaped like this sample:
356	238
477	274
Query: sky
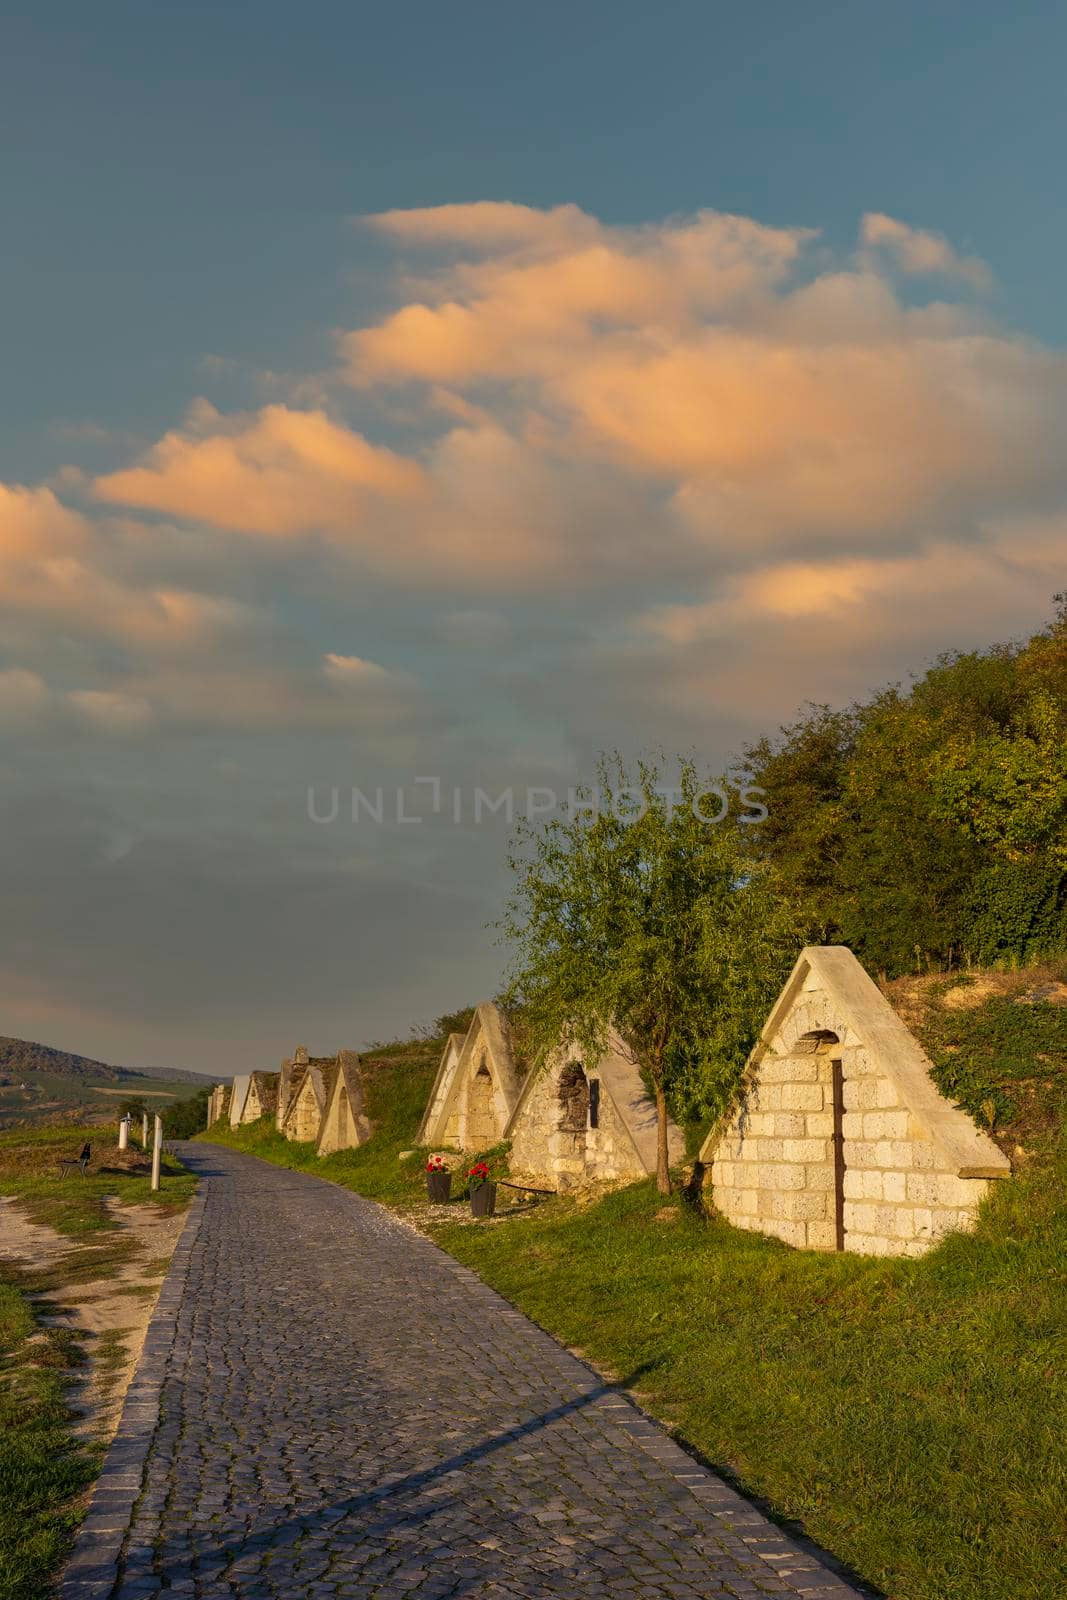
423	399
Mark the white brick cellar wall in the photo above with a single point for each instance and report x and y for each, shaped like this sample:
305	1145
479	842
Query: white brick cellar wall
773	1167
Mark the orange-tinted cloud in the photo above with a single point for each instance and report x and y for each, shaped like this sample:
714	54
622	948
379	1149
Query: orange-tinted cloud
97	642
920	251
536	297
278	472
706	406
34	524
771	399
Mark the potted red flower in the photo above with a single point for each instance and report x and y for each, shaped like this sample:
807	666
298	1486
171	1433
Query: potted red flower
438	1180
482	1190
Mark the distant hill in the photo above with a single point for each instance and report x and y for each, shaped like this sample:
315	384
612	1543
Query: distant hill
19	1056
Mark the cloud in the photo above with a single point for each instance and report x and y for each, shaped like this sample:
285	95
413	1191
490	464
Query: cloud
111	711
352	671
833	630
531	298
24	697
28	703
34	522
100	642
586	404
773	398
275	472
487	225
918	251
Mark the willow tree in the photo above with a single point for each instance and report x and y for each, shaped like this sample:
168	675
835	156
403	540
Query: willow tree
636	909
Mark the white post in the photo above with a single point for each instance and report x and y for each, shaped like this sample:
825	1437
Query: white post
144	1130
157	1152
124	1132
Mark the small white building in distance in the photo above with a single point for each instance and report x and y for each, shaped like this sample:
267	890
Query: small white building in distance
840	1139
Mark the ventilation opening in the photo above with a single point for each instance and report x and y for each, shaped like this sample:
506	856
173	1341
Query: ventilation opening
573	1099
819	1042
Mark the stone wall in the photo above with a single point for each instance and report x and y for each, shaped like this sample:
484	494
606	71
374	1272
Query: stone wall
545	1144
344	1122
219	1103
304	1118
774	1166
261	1097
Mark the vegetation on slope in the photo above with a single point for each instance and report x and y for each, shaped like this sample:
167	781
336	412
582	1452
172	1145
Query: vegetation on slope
927	828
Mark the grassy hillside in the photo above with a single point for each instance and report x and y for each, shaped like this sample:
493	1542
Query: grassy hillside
998	1041
40	1084
909	1415
26	1055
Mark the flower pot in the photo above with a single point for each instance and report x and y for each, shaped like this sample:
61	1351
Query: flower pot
483	1200
439	1187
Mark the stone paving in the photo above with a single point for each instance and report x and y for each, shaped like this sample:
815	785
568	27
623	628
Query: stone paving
348	1412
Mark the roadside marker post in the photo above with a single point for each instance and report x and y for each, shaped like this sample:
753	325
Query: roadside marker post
157	1152
124	1132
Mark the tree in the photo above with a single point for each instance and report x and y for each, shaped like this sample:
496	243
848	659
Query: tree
644	915
184	1118
929	824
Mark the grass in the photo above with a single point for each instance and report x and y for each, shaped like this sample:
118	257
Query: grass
75	1205
909	1415
44	1471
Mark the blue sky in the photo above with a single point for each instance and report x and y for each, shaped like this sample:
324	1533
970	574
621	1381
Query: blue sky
645	448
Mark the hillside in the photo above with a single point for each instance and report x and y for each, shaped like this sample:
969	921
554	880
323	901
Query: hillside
998	1044
39	1083
20	1056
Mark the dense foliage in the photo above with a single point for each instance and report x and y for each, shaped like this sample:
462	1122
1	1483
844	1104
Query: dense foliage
185	1118
927	828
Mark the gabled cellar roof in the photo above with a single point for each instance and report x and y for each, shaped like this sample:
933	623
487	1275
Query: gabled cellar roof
856	1010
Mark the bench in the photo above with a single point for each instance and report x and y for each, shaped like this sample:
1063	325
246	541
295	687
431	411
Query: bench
81	1161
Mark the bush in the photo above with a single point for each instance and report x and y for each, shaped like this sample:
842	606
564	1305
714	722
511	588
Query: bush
185	1118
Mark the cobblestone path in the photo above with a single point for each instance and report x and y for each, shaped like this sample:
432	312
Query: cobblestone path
348	1412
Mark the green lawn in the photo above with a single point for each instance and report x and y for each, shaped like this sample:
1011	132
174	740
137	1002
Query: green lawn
910	1415
43	1470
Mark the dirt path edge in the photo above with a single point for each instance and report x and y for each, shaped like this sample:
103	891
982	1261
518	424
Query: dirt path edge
92	1570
